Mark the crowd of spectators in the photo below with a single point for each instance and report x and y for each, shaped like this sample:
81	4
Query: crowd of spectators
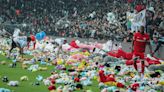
78	18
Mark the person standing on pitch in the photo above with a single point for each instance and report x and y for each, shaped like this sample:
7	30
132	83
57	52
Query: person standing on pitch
140	40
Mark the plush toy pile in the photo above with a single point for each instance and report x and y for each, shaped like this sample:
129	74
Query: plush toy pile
79	64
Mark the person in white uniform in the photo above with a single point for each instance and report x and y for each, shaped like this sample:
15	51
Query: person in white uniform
59	42
17	33
20	42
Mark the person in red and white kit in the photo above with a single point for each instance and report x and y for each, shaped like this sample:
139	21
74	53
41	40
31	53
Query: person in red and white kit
140	40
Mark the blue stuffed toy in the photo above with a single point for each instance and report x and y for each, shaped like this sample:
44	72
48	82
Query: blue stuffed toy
39	78
4	90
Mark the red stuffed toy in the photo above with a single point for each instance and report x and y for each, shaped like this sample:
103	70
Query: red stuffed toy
135	86
120	85
77	80
51	87
106	78
52	81
73	44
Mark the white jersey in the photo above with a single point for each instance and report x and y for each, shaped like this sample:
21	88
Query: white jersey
60	41
20	41
16	32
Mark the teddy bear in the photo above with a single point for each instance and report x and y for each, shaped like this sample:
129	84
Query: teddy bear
13	83
24	78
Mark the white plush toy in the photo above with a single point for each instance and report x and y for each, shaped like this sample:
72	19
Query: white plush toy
24	78
27	62
104	90
33	67
13	83
46	82
65	89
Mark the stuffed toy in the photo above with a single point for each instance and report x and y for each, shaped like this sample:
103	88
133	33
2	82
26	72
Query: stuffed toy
60	81
86	82
111	89
118	68
28	62
39	78
36	84
42	68
33	68
82	64
4	90
160	88
120	85
107	64
136	78
3	62
106	78
76	79
54	76
5	79
24	66
89	91
60	61
59	89
79	86
73	73
51	88
155	74
156	67
135	86
24	78
60	67
104	90
161	83
92	73
110	59
111	83
72	86
73	44
101	85
46	82
13	83
66	88
43	62
52	82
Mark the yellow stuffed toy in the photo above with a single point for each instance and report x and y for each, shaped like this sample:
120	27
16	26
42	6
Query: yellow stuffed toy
132	74
82	64
161	83
24	66
59	61
3	62
43	68
111	83
86	53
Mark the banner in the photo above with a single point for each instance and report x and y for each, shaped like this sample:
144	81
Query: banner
130	16
140	18
137	20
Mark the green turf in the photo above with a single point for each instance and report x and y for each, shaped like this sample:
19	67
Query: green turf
26	86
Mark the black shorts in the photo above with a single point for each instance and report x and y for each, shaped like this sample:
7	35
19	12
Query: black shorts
14	44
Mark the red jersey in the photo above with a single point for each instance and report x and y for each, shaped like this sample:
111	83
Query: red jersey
140	41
